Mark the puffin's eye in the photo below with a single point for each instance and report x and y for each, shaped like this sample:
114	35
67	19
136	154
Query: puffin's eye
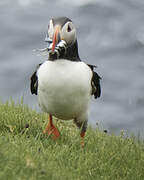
69	28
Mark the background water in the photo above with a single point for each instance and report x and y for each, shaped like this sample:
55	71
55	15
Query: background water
110	34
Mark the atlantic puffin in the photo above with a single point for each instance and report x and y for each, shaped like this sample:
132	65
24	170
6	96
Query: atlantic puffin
64	84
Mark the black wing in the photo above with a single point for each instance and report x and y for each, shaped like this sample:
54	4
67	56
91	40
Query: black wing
34	82
96	87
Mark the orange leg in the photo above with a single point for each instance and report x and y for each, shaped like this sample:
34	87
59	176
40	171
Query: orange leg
82	138
51	129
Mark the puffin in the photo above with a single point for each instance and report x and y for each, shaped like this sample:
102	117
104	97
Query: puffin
64	83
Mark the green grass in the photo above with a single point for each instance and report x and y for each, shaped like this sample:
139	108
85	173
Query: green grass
28	154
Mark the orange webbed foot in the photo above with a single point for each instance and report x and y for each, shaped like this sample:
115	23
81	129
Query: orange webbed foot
51	129
82	139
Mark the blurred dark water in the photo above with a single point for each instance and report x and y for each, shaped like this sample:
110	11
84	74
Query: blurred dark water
110	34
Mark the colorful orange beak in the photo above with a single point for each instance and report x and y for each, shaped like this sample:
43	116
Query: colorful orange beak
55	38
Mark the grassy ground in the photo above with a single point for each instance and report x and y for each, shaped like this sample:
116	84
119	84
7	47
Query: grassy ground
27	154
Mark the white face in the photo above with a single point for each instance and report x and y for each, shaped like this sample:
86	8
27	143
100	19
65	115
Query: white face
67	32
50	30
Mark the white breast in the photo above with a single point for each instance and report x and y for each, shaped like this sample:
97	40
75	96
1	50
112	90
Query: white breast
64	88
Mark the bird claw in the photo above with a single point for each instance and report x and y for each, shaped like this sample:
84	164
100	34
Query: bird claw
52	130
82	143
82	138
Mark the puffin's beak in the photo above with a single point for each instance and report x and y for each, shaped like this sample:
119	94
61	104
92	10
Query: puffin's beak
56	38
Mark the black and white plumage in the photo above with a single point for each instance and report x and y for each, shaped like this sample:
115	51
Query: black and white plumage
64	84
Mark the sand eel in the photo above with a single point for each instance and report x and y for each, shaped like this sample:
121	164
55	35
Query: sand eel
64	84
